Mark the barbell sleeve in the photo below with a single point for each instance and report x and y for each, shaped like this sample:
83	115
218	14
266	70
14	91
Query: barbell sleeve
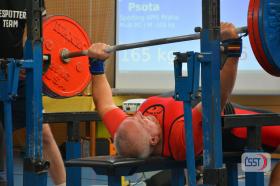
154	42
67	55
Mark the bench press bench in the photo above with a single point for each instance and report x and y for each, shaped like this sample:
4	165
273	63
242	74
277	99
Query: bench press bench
115	166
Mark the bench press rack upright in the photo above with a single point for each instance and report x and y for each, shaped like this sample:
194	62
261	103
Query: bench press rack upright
211	106
185	88
35	168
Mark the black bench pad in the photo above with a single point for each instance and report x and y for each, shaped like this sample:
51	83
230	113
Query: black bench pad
121	166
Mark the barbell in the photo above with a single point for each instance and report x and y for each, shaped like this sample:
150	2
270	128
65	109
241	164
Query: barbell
66	54
66	43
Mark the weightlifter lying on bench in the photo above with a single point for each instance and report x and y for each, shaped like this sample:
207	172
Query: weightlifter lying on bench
158	127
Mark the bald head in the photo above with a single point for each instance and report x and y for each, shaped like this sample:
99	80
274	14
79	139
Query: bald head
132	140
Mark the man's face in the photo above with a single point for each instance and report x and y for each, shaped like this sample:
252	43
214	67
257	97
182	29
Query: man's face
149	123
140	132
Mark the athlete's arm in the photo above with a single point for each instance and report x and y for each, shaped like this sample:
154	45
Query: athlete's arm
102	94
229	70
101	90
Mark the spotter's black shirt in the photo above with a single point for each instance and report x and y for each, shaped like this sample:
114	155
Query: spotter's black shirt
12	24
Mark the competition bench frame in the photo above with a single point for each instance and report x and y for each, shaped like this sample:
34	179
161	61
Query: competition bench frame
115	166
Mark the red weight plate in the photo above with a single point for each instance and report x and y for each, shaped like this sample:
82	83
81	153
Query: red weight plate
70	78
254	36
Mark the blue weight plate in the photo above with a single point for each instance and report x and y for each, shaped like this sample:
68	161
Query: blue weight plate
267	63
269	27
254	36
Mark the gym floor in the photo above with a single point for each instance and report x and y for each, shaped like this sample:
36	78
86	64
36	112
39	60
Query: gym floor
90	178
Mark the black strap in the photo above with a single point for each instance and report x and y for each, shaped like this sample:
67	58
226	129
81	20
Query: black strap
229	109
232	47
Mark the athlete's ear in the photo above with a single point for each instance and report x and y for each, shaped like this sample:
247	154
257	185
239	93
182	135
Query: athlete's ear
154	140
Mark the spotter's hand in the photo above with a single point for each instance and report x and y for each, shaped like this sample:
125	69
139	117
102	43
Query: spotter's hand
98	51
